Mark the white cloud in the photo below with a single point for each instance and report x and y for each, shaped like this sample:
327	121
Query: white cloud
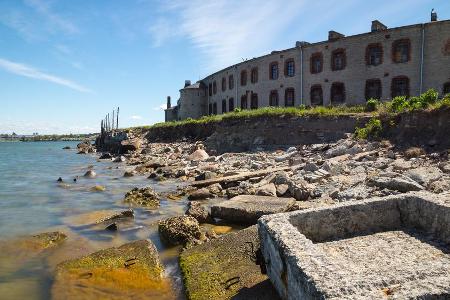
225	30
160	107
28	71
136	117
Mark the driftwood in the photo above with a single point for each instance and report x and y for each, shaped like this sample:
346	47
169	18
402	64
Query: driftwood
238	177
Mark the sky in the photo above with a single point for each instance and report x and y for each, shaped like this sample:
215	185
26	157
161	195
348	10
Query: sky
65	64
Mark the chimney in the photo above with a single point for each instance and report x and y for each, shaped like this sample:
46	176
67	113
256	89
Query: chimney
378	26
299	44
169	105
433	16
187	83
333	35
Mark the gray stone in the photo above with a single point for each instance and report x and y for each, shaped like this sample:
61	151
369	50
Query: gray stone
282	189
393	247
267	190
310	167
119	159
424	175
394	182
246	209
286	156
298	190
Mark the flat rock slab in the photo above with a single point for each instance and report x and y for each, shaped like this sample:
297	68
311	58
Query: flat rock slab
248	209
224	269
131	271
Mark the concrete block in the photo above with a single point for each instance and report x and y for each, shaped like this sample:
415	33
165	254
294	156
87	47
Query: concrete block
396	246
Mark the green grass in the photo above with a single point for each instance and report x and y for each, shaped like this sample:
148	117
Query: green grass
427	101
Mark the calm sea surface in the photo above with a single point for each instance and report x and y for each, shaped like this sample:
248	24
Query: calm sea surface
31	201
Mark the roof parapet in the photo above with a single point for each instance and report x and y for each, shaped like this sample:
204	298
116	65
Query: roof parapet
378	26
334	35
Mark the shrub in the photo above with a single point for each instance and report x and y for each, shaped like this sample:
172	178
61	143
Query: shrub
414	152
372	129
399	104
372	104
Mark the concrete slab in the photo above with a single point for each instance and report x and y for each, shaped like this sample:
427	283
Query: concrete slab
225	269
392	247
249	208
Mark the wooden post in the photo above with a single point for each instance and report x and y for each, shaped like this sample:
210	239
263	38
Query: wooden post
113	120
117	122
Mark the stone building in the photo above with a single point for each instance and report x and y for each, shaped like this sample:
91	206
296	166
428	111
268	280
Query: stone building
381	64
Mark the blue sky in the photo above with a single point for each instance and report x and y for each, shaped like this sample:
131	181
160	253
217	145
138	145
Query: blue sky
64	64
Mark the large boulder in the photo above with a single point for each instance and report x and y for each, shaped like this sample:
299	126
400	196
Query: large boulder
225	269
179	230
199	155
146	197
247	209
131	271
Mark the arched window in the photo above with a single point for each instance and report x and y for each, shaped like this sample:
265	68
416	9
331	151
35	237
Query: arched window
289	68
374	54
273	71
254	101
273	98
210	89
316	63
254	75
289	97
214	87
446	89
215	108
400	86
224	106
210	109
373	89
244	78
231	104
338	59
224	84
337	93
230	82
316	95
244	102
401	51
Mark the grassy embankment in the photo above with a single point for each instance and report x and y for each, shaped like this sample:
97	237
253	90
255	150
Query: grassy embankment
429	100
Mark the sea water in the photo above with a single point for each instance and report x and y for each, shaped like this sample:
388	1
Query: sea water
32	201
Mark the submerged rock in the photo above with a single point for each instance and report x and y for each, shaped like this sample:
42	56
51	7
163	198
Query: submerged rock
179	230
224	268
46	240
90	174
132	270
142	197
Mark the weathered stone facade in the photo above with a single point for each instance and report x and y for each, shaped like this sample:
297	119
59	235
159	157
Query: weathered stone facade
380	64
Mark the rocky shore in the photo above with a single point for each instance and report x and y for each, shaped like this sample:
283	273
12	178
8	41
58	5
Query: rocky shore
248	185
225	195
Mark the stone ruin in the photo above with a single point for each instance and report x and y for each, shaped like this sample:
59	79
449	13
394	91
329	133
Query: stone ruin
390	247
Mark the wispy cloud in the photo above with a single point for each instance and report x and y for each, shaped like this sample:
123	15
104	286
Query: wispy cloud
136	117
30	72
43	8
225	30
